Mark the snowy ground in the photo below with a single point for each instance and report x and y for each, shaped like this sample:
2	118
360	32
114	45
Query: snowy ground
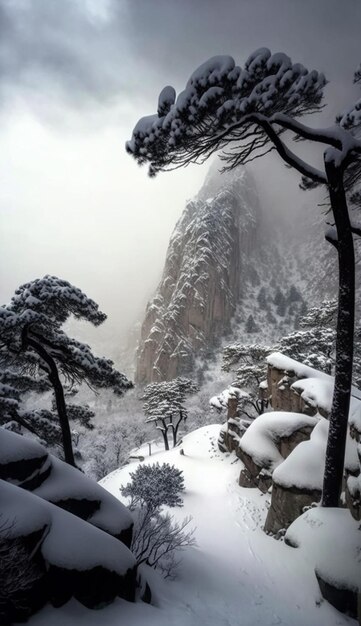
236	576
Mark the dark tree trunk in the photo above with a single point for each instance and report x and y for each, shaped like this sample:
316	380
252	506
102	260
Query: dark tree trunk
335	452
176	428
165	435
53	376
63	418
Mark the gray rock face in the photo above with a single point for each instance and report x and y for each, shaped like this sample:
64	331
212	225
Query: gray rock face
254	475
287	505
200	287
227	262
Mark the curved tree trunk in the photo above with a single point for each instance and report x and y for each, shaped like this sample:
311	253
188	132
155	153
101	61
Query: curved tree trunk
53	376
63	418
335	452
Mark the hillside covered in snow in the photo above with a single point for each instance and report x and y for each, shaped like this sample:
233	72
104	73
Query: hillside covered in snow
235	574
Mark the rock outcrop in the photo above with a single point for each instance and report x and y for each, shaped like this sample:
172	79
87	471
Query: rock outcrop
201	284
230	269
67	536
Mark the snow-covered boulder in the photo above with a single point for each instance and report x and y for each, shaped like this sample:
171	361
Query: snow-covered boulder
297	482
27	464
268	441
63	533
293	386
22	462
353	483
75	558
71	490
330	540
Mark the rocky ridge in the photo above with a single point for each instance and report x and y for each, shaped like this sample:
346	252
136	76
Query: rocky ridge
230	271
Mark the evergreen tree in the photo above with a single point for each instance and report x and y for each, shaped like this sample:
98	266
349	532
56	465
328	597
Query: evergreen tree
293	295
164	406
251	326
248	362
278	297
261	298
34	343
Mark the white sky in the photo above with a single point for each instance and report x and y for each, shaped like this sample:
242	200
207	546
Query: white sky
74	79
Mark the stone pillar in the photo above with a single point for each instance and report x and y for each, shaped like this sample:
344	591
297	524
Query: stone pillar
232	407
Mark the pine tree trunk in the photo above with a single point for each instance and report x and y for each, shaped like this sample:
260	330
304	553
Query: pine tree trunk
176	428
165	435
336	443
63	418
53	376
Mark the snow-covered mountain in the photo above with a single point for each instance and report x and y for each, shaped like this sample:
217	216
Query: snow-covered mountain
233	270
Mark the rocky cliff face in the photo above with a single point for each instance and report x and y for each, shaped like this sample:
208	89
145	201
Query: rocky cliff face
227	261
200	287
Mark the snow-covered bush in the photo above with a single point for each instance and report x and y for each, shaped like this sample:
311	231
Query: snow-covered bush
153	486
157	539
156	536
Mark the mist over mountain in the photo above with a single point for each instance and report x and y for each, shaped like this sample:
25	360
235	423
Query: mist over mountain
235	270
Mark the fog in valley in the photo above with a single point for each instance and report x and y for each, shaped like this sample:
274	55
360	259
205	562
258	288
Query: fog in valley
193	454
75	78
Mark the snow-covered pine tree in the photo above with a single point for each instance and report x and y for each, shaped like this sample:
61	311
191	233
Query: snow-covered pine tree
34	343
164	405
251	108
248	362
312	346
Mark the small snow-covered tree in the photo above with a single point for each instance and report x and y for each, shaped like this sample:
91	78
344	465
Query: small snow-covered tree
246	112
312	346
320	324
33	342
251	326
248	362
154	486
293	295
156	536
323	315
164	405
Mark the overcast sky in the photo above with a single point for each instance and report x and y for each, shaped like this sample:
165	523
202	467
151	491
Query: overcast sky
75	75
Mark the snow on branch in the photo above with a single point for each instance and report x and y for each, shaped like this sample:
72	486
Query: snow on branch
220	103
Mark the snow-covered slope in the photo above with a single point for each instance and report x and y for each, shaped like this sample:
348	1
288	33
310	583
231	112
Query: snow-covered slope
236	574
